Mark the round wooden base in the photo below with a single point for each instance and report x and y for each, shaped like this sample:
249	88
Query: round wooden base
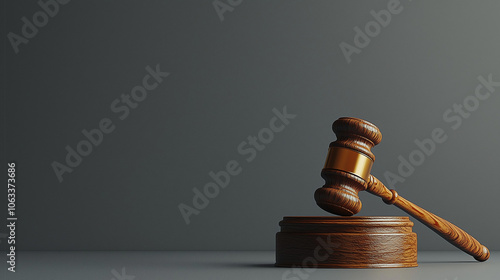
346	242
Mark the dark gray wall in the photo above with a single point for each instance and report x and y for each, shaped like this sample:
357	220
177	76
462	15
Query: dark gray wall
226	76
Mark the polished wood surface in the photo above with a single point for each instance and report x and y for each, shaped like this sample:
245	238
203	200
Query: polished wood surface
346	242
339	194
445	229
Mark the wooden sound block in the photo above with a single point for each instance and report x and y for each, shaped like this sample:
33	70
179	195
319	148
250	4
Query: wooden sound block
346	242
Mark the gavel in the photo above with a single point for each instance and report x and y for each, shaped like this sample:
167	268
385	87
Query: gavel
347	171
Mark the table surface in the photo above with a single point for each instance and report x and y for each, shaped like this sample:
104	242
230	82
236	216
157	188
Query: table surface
140	265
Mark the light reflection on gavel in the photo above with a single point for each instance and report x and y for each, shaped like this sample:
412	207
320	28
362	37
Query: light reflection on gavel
347	171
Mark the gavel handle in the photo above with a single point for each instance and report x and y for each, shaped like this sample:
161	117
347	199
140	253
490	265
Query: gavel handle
445	229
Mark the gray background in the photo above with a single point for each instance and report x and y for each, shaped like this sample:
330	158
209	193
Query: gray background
226	77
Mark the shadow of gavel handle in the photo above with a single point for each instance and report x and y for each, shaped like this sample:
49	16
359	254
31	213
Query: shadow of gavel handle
450	232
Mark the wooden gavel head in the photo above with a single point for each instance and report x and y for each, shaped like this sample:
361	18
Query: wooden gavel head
348	165
347	171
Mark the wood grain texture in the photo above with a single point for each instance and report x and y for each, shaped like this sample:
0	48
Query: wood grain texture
339	194
346	242
442	227
356	134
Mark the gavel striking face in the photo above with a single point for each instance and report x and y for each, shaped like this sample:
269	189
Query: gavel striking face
347	171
